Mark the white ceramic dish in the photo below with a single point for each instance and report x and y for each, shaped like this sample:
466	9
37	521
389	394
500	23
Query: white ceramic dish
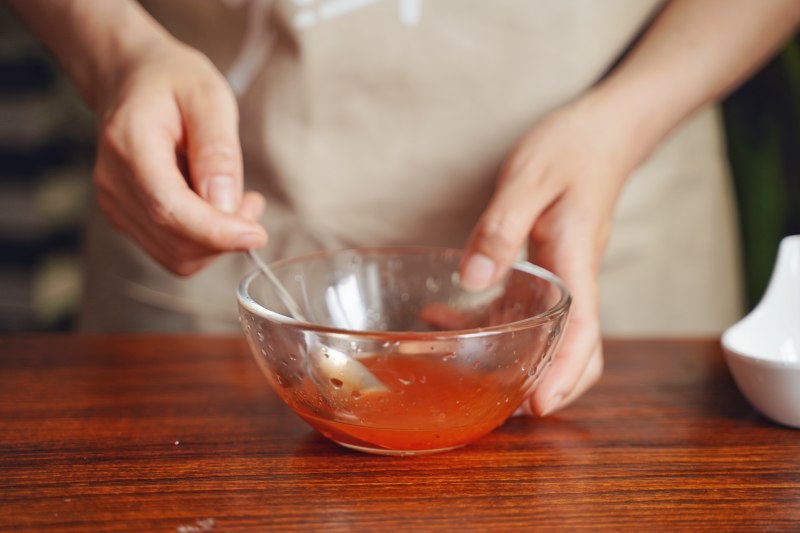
763	349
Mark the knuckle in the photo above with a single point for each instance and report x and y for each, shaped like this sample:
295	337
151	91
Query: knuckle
595	369
502	231
219	154
211	86
216	237
161	212
116	132
113	138
183	268
121	139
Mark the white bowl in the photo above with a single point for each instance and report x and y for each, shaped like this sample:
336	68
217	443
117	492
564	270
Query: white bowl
763	349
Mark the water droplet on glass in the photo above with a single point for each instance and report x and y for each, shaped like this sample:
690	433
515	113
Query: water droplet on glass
386	344
325	353
406	382
448	356
260	336
433	284
336	382
355	395
475	364
423	379
293	357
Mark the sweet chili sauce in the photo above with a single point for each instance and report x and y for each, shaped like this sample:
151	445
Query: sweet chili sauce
432	402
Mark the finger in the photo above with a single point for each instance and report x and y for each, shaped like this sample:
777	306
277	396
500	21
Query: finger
534	405
591	374
213	150
252	206
137	166
179	257
443	317
120	202
578	362
576	367
501	231
175	208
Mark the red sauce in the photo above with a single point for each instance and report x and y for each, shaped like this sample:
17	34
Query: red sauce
433	402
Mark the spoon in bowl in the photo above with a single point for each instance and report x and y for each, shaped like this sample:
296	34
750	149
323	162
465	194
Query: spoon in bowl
332	370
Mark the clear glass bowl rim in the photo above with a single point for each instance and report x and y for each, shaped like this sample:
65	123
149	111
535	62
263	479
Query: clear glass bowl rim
562	305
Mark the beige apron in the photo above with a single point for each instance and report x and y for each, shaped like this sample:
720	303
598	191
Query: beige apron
371	122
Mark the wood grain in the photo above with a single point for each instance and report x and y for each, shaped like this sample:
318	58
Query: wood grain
180	433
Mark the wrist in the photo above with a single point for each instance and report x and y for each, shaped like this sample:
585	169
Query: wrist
623	129
118	37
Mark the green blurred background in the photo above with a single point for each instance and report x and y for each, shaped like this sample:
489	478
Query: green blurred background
762	121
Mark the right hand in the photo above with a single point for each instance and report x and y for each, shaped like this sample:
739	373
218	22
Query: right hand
169	164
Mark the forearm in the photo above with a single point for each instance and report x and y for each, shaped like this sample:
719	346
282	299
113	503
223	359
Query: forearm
694	53
94	40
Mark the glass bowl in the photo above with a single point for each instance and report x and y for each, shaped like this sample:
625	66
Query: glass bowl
397	358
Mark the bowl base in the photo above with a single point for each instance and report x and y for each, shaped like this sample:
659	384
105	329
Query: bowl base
395	453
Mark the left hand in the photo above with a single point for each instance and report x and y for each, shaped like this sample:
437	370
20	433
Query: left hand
557	190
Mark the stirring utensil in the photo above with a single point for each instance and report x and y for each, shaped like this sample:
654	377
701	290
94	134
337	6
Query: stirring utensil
334	371
283	293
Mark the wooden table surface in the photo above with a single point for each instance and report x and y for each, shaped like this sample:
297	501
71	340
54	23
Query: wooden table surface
181	433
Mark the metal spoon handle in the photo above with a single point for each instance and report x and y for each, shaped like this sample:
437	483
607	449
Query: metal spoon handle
283	294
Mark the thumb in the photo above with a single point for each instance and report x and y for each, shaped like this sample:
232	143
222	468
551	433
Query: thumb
500	233
212	146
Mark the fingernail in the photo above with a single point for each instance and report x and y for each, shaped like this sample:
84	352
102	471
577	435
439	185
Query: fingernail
552	404
478	273
222	193
249	241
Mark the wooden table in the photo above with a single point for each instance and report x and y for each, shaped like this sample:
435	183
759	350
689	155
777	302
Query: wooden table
180	433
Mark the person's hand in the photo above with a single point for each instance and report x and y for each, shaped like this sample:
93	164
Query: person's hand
169	164
557	191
